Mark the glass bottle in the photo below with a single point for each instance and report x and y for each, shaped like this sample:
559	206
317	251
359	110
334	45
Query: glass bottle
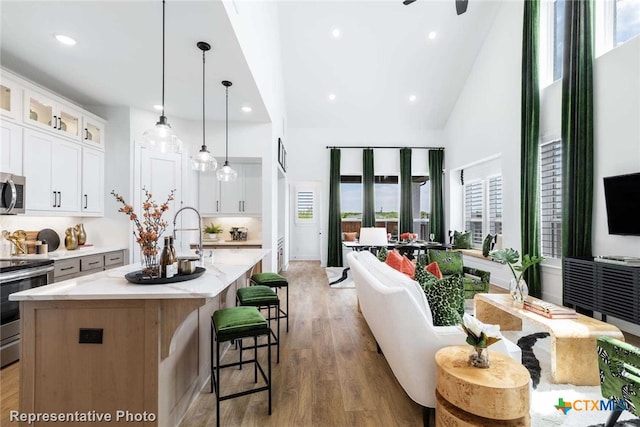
174	256
166	269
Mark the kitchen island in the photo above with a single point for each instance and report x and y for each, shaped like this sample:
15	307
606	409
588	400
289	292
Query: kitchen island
136	354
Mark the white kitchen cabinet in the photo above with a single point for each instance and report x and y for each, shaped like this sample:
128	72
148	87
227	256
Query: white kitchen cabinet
52	167
209	193
93	131
92	181
240	197
9	98
48	113
10	148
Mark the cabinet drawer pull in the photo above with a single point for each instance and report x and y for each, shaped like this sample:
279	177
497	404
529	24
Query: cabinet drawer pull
55	122
59	198
240	206
94	262
114	259
86	133
217	205
67	268
86	198
55	199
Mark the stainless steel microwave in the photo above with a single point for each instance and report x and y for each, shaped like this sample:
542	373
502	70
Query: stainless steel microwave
12	194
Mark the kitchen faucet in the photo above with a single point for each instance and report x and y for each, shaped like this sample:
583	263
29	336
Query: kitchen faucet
200	252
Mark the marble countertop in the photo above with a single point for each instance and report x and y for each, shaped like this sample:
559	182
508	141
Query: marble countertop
228	265
251	242
65	254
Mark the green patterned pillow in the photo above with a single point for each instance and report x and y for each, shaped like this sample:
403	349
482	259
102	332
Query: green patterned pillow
462	240
382	254
486	244
450	262
421	275
446	299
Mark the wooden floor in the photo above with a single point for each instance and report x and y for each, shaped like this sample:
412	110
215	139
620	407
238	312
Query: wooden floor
329	373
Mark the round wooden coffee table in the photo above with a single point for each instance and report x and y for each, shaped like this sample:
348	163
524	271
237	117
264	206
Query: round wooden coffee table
468	396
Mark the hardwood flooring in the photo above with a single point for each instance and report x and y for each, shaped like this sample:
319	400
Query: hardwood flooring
330	373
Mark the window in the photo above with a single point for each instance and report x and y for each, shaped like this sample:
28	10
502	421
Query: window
558	38
495	205
473	212
626	18
551	198
304	206
387	197
351	197
421	198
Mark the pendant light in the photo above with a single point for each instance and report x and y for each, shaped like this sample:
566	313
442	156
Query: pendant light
225	173
161	137
203	161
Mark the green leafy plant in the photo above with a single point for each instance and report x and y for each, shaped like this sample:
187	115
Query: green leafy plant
510	257
213	229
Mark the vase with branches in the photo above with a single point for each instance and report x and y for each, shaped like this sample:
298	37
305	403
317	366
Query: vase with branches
148	228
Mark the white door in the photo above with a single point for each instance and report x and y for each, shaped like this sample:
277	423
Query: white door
208	193
252	199
10	147
66	158
306	221
37	170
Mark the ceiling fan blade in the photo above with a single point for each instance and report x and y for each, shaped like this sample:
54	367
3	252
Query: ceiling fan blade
461	6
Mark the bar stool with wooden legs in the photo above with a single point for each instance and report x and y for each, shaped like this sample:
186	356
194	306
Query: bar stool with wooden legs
262	297
236	323
274	280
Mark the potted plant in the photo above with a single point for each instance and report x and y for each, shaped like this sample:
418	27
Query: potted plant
517	286
213	230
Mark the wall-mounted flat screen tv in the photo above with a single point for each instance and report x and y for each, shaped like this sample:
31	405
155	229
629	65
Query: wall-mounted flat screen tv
622	196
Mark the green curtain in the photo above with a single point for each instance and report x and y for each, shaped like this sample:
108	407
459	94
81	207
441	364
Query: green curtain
577	128
529	143
368	202
406	198
436	216
334	256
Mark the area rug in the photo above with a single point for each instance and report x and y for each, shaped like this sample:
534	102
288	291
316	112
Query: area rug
546	397
339	277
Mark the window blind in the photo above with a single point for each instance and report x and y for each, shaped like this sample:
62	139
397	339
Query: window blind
473	204
495	205
551	198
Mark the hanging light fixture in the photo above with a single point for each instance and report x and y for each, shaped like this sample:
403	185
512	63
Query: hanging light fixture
225	173
203	161
161	137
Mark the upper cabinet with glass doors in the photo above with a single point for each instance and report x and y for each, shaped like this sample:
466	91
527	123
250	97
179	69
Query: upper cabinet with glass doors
93	131
46	113
9	98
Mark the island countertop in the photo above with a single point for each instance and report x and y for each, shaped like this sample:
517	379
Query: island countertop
228	265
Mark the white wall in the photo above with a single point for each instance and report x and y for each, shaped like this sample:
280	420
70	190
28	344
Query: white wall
256	27
308	158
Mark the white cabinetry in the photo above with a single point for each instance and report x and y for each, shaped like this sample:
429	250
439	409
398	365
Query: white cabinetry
10	148
240	197
46	113
52	167
92	181
9	98
93	131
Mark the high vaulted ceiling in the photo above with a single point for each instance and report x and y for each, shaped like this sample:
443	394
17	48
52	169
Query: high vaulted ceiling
382	57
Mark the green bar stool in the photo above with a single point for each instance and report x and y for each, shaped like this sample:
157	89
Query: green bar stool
236	323
277	281
262	297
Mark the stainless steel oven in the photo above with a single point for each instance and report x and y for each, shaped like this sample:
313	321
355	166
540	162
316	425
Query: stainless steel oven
16	276
12	194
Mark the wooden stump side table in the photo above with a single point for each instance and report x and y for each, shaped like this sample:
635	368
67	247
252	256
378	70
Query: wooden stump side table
468	396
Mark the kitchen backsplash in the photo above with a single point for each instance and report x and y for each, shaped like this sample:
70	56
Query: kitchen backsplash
254	226
100	232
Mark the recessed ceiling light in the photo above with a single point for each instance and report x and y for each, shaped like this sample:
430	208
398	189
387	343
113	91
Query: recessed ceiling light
336	33
246	109
158	107
412	98
332	97
432	35
65	39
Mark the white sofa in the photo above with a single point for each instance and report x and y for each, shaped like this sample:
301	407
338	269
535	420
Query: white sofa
398	314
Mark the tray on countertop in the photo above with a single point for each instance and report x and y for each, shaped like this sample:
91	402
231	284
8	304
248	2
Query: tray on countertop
139	278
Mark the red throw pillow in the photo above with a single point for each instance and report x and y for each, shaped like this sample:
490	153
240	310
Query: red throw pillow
434	269
394	260
408	267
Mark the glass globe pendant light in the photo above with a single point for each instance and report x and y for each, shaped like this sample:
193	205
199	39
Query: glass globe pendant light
161	137
203	160
225	173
